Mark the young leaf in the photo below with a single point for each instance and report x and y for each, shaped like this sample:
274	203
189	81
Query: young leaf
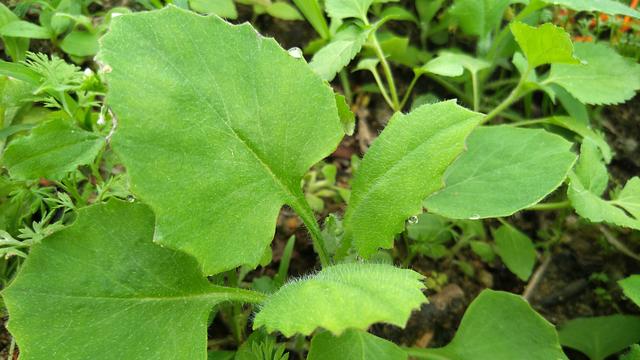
505	169
15	47
546	44
611	7
347	117
599	337
588	181
102	281
222	8
333	57
499	326
342	9
631	288
632	354
353	345
586	132
453	64
479	17
516	251
341	297
80	43
24	29
605	77
53	149
228	115
312	11
403	166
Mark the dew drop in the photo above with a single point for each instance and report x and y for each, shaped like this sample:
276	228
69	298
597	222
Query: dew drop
131	198
413	220
295	52
474	217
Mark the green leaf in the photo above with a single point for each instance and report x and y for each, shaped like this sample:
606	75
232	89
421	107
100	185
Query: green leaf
453	64
353	345
591	170
222	8
586	132
337	54
632	354
479	17
430	228
24	29
80	43
546	44
347	117
53	149
610	7
342	297
516	251
605	77
284	11
482	249
403	166
505	169
124	289
16	48
312	11
342	9
599	337
499	326
588	181
228	114
631	288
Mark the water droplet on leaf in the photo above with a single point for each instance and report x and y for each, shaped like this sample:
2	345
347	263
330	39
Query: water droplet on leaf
131	198
474	217
413	220
296	52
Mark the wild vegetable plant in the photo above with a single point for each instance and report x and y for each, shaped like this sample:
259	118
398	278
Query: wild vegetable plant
218	127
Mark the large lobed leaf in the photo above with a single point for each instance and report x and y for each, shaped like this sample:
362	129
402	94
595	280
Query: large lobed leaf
505	169
341	297
499	326
53	149
217	126
605	77
403	166
100	289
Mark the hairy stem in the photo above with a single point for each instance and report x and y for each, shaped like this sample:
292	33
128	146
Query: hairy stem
308	218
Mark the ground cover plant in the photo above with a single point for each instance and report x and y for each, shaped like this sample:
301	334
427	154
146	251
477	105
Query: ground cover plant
424	179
